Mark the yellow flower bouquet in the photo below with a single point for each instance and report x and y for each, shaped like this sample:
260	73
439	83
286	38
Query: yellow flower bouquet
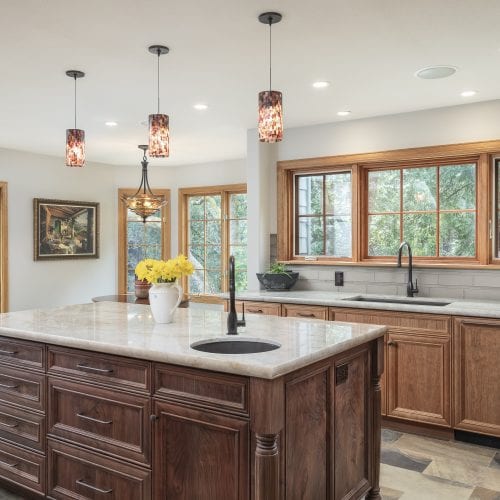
164	271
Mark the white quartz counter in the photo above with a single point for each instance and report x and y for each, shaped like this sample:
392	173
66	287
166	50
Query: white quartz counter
129	330
456	307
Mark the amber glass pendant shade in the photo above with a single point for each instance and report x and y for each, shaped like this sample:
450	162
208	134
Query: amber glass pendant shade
75	147
159	136
270	116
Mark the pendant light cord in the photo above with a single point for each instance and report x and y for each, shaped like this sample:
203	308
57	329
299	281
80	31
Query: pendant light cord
270	52
75	100
158	81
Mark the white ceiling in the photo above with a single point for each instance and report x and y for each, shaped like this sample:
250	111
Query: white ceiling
368	49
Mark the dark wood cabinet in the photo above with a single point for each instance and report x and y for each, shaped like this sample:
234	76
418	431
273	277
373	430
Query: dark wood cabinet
477	375
199	454
77	473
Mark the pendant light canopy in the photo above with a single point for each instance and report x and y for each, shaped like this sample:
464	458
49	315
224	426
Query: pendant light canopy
75	138
159	132
270	101
143	202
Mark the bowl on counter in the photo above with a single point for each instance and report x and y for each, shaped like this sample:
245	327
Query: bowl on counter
278	281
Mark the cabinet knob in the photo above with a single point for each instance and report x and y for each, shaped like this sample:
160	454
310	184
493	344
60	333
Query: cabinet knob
153	418
391	343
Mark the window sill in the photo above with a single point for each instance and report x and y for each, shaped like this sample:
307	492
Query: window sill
378	263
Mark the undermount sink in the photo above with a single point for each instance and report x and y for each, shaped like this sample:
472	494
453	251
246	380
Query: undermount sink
235	346
409	301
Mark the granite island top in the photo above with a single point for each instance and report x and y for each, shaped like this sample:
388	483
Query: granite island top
129	330
456	307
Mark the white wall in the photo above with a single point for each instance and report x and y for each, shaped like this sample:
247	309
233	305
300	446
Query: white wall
41	283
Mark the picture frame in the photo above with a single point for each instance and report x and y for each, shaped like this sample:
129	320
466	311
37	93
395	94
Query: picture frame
65	229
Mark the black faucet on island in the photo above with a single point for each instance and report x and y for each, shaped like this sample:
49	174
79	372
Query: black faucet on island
232	319
410	289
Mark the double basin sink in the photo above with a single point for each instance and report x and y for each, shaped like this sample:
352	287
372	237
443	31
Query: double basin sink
249	346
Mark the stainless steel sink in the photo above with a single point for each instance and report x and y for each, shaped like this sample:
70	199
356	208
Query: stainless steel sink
235	346
414	302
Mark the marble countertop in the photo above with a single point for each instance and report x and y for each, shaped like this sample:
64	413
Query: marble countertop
129	330
456	307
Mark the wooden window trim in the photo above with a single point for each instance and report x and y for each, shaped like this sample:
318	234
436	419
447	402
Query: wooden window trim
122	233
481	153
225	190
4	245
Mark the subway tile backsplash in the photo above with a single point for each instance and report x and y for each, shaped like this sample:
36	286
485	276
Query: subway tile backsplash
451	283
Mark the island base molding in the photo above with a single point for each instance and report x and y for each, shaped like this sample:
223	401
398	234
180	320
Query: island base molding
108	426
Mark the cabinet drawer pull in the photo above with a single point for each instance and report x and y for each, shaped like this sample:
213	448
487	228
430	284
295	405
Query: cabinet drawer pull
4	424
259	311
84	417
7	353
306	315
93	369
81	482
15	464
391	343
9	386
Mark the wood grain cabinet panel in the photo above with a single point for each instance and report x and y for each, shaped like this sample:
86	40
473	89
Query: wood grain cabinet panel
101	419
254	307
22	388
22	427
222	392
304	311
419	372
130	374
23	468
80	474
198	454
477	375
22	353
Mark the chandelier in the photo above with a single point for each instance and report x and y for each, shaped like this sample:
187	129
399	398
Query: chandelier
143	202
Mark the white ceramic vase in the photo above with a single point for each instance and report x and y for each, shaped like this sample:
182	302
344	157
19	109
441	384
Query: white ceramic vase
164	299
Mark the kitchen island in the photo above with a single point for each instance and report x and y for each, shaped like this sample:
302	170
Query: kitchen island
98	401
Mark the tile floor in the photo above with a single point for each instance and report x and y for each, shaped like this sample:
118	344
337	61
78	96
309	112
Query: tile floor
419	468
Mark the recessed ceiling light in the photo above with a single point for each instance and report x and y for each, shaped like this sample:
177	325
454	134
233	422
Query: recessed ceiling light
321	85
468	93
343	113
435	72
111	124
200	107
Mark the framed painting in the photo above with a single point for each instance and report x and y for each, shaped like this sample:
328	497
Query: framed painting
65	229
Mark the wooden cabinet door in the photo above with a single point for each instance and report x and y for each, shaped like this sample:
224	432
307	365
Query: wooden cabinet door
477	375
418	377
198	454
254	307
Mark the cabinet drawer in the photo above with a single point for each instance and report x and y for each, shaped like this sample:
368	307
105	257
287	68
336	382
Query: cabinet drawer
110	370
76	473
22	427
415	321
22	467
102	419
19	353
251	307
22	388
302	311
227	393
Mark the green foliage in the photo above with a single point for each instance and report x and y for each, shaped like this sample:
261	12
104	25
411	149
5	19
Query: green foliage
278	268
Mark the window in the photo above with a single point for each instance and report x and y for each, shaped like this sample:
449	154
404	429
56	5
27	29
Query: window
323	220
140	240
213	225
433	208
358	208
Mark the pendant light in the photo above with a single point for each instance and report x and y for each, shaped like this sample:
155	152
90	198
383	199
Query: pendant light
75	138
143	202
270	101
159	133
